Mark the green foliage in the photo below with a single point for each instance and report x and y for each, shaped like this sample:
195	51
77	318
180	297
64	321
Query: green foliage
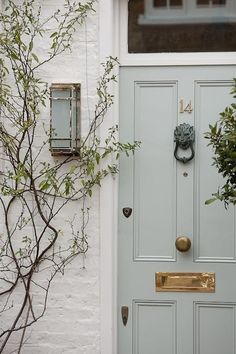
222	138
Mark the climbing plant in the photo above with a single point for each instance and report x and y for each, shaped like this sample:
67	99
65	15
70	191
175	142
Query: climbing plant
34	193
222	138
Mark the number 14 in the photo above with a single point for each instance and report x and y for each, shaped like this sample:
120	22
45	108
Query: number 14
188	108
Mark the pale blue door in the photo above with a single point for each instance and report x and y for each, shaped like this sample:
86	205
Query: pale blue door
167	200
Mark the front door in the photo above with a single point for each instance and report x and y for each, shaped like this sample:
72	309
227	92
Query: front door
189	314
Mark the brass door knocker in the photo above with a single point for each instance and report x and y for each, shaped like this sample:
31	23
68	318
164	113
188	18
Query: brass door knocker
184	138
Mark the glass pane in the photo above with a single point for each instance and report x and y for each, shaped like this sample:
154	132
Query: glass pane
65	93
160	3
213	2
203	2
175	2
163	26
61	129
60	118
219	2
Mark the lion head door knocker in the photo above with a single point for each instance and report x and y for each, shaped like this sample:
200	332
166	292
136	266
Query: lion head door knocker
184	138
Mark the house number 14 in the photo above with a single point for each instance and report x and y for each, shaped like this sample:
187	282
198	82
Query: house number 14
182	108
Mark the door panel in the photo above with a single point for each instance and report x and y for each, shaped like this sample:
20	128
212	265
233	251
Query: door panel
214	328
211	98
155	322
168	200
157	215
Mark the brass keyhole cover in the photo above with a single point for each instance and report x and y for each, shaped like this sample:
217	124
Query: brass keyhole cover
182	244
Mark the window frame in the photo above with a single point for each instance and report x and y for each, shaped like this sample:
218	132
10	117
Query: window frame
164	59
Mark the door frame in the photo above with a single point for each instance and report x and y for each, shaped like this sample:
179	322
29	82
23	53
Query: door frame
112	41
108	46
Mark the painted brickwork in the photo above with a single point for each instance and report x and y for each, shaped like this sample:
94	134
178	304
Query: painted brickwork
72	322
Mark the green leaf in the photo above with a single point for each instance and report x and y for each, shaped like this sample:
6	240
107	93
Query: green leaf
72	169
44	185
35	57
14	56
30	46
53	34
97	158
210	201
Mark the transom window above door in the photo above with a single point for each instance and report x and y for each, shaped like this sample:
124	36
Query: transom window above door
163	26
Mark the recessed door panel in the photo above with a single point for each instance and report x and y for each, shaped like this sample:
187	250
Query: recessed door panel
215	328
155	103
154	325
214	226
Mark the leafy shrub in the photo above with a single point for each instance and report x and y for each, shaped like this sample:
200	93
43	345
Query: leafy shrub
222	138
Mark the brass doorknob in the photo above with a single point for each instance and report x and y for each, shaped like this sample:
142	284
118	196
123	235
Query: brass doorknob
182	244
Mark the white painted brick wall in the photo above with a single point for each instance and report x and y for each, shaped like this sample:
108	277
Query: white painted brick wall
71	324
